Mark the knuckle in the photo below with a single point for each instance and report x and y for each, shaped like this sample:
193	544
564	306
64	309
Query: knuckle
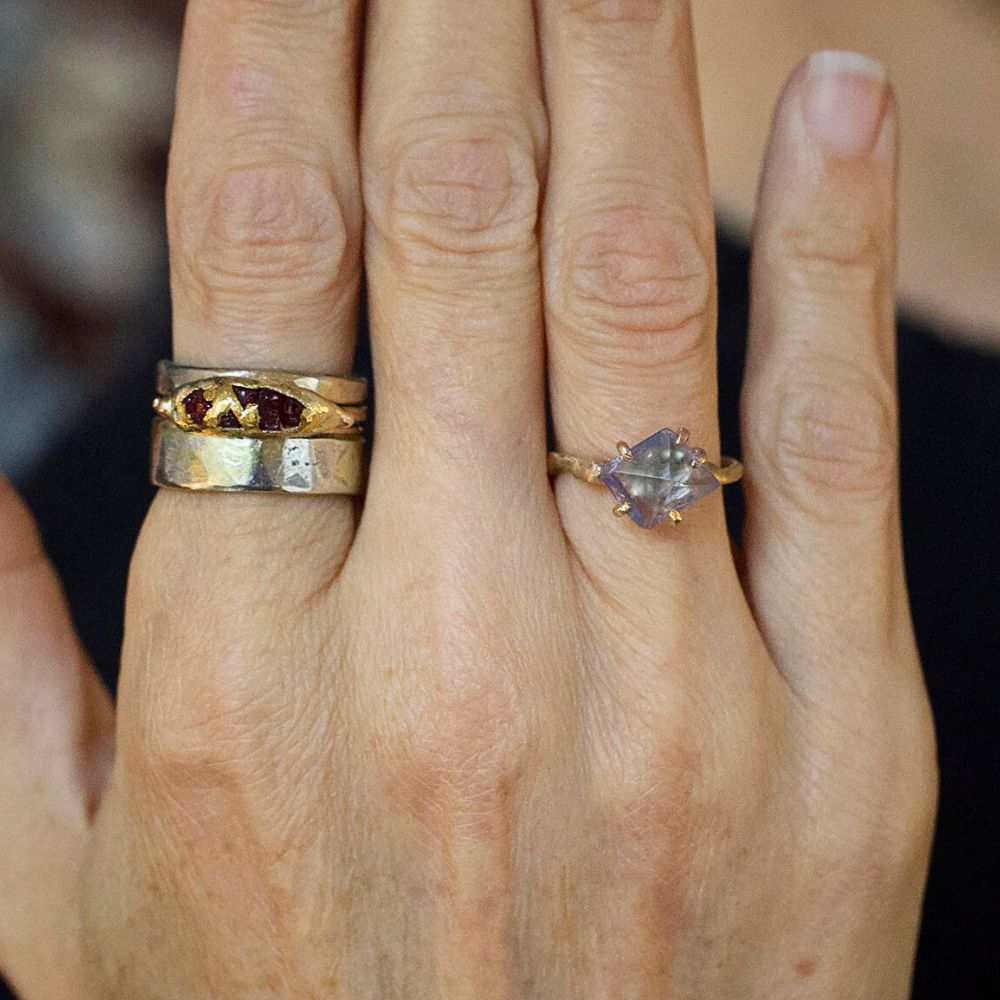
469	190
833	257
649	779
895	833
880	803
276	226
909	790
454	764
631	273
640	802
617	11
220	743
919	813
274	11
194	745
834	435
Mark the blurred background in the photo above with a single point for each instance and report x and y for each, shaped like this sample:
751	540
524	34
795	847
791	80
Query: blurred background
86	89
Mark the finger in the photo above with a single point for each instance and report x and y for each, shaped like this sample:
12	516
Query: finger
264	214
628	241
819	407
452	136
55	752
263	202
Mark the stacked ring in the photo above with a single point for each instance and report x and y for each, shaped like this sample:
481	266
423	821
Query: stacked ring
258	431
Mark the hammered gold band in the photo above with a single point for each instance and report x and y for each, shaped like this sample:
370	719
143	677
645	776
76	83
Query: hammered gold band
256	465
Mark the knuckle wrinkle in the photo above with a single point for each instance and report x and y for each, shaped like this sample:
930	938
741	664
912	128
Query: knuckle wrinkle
632	272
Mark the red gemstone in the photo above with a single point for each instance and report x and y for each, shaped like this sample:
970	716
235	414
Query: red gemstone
246	395
278	411
269	407
196	406
291	412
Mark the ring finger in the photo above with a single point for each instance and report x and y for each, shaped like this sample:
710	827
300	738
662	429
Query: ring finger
628	253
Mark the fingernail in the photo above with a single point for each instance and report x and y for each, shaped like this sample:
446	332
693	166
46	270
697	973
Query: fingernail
844	102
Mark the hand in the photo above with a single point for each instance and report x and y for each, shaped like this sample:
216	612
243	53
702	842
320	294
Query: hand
484	741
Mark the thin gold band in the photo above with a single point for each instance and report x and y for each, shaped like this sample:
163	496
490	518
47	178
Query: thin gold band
729	470
340	389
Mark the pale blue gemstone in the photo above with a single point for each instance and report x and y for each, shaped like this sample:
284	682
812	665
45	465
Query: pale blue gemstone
661	476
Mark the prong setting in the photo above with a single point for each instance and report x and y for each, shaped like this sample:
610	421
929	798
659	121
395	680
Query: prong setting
654	480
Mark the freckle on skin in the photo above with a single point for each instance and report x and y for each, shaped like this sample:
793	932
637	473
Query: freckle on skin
805	968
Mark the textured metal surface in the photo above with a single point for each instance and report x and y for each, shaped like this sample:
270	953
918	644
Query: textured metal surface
255	465
335	388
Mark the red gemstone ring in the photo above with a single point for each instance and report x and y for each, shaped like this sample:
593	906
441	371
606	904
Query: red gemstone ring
259	403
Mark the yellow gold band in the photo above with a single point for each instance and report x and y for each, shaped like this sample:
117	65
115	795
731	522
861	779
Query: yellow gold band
729	470
262	403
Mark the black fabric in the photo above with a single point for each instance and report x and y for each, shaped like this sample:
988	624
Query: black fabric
950	417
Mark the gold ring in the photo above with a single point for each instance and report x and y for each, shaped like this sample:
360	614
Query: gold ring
263	403
654	480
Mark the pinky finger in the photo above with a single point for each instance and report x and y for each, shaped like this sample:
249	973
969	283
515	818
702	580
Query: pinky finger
819	405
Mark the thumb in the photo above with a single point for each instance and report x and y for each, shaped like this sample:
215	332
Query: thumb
56	738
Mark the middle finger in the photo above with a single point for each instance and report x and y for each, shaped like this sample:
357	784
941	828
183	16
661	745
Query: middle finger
452	137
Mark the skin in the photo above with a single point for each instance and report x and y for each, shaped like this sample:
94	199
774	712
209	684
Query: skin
475	738
945	68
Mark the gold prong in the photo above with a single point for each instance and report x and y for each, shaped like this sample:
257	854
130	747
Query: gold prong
624	450
682	436
675	517
622	509
250	418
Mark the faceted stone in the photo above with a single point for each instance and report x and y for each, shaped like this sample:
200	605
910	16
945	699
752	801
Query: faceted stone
246	395
661	476
268	403
196	406
278	411
229	420
291	412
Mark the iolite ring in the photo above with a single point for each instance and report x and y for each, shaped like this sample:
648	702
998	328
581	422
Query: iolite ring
655	480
